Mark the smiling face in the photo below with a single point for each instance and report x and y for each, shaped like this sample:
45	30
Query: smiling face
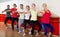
8	6
27	7
21	6
44	5
14	5
33	6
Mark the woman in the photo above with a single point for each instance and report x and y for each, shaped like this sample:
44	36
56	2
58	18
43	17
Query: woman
26	18
33	20
46	20
14	15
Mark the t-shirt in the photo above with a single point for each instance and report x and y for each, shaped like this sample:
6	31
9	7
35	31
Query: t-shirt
8	13
21	15
14	13
46	17
27	15
33	15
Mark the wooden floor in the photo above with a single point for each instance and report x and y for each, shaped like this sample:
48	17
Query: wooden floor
15	34
10	33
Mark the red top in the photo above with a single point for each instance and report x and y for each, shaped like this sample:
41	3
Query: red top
14	13
46	17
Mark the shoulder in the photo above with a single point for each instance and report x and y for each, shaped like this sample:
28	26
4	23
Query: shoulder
42	11
30	9
12	8
6	9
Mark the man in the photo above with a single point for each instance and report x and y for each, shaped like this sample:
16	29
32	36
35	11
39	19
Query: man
21	18
8	16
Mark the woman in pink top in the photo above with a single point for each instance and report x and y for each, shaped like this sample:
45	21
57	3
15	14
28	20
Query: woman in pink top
46	17
46	20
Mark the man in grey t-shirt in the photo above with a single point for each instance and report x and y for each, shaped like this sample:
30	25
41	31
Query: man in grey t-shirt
8	16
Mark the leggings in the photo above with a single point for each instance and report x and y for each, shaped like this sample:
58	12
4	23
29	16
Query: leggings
26	22
32	25
13	20
45	29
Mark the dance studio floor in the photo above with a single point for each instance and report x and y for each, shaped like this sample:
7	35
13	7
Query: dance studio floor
10	33
14	34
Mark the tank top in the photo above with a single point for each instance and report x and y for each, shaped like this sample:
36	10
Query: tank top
46	17
27	15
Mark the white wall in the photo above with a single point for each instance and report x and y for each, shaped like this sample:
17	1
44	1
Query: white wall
53	5
4	4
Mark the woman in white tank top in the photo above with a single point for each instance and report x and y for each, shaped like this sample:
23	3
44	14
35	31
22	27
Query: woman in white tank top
27	15
26	18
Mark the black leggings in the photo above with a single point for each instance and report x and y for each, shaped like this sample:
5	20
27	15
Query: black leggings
26	22
7	18
32	24
13	20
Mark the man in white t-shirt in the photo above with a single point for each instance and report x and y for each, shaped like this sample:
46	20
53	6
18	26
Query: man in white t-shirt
21	18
